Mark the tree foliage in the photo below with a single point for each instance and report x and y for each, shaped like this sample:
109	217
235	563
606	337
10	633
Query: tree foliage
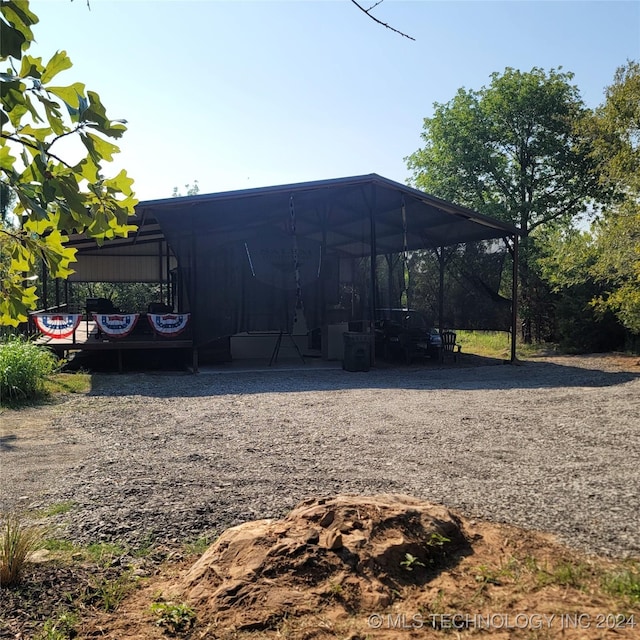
191	190
7	199
617	267
513	150
615	129
617	133
567	265
605	262
59	189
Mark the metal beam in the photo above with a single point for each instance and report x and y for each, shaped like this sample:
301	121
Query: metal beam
514	298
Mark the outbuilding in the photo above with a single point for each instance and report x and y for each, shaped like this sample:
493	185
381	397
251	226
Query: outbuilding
289	260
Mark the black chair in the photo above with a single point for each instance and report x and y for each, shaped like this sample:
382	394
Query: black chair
98	305
159	307
449	345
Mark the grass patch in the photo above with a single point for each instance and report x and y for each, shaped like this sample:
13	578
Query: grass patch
58	508
108	593
624	583
58	545
62	627
497	344
17	543
58	383
570	575
104	553
199	546
485	574
144	549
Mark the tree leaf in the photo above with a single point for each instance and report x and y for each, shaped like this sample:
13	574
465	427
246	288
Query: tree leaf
6	159
102	148
38	133
31	67
59	62
70	95
11	41
87	169
20	17
15	301
72	196
121	183
57	255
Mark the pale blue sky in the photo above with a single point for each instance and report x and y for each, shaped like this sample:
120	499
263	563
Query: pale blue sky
249	94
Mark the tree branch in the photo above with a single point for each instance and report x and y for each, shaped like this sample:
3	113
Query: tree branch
26	143
384	24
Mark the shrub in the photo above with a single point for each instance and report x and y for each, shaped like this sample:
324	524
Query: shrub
625	582
62	627
23	369
17	543
173	617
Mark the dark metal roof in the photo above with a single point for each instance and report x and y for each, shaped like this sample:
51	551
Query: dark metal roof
338	210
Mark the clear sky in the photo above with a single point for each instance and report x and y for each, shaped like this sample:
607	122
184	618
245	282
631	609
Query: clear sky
242	94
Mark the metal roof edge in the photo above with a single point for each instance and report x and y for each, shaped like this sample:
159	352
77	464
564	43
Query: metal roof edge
450	207
257	191
370	178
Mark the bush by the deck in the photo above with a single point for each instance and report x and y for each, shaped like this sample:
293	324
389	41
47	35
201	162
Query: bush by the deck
23	369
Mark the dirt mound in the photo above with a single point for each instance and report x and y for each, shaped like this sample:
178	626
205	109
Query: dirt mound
383	567
349	553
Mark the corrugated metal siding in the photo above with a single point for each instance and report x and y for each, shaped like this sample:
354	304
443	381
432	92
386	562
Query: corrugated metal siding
108	268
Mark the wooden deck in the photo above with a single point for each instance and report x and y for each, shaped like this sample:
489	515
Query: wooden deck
87	338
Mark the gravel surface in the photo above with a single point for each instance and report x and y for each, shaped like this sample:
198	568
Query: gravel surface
550	445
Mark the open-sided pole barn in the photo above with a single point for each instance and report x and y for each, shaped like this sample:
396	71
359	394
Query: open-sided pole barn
260	260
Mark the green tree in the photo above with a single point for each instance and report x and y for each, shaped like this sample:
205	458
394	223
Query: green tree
615	127
617	268
513	150
192	190
568	261
55	196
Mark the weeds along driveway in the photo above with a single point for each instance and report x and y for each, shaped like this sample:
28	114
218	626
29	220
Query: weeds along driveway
551	445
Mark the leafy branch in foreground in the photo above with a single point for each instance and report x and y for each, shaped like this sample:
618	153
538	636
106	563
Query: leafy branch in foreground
58	184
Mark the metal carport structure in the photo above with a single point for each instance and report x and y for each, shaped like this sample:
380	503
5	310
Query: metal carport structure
246	260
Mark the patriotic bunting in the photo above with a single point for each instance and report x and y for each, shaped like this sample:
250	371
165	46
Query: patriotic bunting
116	325
57	325
168	324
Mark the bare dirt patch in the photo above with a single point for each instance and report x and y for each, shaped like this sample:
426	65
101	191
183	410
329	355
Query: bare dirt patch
152	460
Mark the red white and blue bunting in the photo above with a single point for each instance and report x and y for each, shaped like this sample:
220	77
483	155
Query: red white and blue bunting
168	324
116	325
56	325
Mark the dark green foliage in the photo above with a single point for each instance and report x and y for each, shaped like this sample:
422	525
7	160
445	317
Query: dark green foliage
133	297
580	328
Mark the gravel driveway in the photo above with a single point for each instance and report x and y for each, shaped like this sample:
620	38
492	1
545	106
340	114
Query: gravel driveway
551	445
